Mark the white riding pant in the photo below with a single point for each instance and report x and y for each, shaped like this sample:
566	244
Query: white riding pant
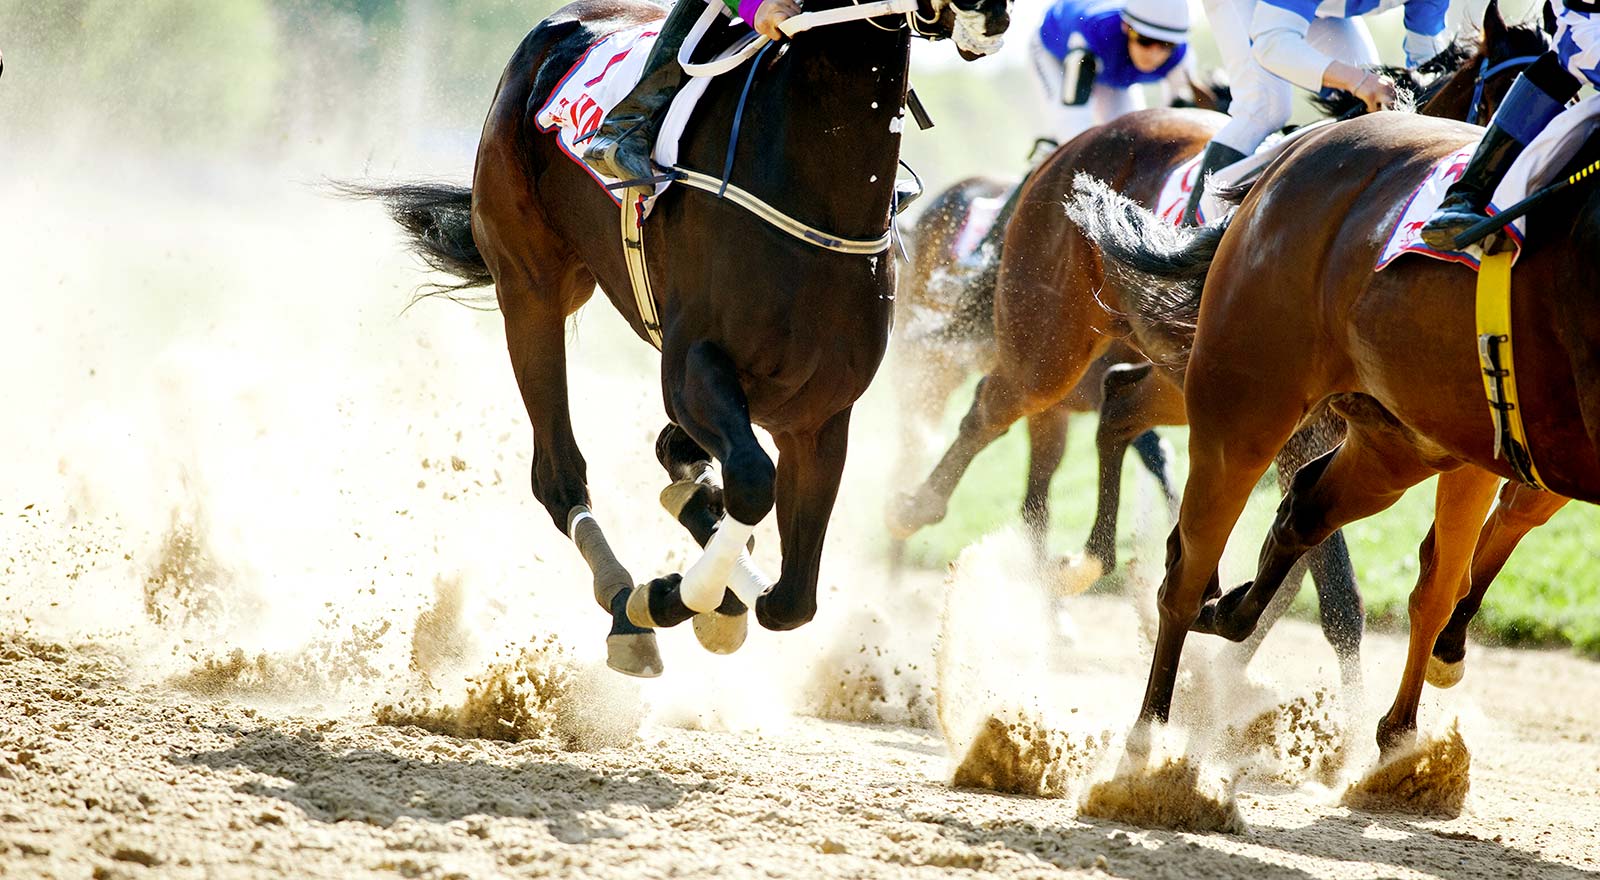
1262	101
1062	123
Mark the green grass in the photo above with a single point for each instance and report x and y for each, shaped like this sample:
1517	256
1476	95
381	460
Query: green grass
1549	593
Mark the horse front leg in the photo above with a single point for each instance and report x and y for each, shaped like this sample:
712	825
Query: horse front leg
809	469
1521	509
709	404
1461	502
694	499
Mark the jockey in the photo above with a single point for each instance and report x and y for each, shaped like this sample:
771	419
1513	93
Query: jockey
1306	43
1539	94
620	148
1089	54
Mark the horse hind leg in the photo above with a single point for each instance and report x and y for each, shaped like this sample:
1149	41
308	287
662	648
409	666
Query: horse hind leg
709	405
1520	510
1462	501
1133	401
535	311
694	499
1363	476
1047	445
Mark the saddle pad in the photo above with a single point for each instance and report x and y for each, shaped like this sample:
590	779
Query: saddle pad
1406	236
1175	193
980	217
597	82
1536	167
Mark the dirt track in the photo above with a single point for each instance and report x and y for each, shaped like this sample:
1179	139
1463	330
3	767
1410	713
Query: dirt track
107	777
253	503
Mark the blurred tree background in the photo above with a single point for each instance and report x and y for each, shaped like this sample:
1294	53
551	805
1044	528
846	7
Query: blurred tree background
400	78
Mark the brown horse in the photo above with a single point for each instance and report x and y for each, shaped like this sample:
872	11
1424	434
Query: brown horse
1293	316
757	326
944	331
1054	314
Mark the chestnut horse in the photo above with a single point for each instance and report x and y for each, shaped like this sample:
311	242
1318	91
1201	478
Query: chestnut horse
944	330
1054	314
1293	316
757	326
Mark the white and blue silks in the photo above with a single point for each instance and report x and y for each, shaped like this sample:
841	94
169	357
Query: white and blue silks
1263	101
1578	43
1278	33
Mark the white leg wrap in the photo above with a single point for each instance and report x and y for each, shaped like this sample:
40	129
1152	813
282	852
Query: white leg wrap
747	582
704	582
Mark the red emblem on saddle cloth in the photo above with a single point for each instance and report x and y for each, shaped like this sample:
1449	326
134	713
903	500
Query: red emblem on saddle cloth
1175	193
1406	236
602	76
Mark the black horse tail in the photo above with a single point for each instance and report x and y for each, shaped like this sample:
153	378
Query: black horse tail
1159	269
437	218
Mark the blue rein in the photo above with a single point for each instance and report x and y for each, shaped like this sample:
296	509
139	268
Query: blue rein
1485	72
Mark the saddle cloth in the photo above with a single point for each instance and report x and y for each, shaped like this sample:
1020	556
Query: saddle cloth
1181	181
597	82
980	217
1532	170
1175	193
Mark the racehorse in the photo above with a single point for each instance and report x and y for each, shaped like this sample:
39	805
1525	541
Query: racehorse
756	325
1293	316
944	323
944	317
1054	313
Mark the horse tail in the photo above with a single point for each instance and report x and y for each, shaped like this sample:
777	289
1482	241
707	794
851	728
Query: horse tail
437	219
1158	268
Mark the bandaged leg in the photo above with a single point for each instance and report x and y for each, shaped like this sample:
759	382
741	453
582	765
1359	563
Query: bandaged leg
704	582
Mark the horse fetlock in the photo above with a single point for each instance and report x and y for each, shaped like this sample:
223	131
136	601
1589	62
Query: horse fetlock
658	603
703	584
1395	736
1231	615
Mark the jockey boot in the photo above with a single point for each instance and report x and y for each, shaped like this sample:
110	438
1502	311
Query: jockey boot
621	146
1540	93
1217	156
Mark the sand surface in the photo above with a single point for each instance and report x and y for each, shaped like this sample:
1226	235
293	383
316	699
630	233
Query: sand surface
103	775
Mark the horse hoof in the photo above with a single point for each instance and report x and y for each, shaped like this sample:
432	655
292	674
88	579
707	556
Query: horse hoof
910	512
782	619
1075	574
1444	674
634	654
721	633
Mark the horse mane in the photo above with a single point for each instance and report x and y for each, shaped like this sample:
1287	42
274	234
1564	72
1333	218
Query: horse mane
1416	88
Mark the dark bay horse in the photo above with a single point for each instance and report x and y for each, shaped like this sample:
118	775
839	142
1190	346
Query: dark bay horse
757	326
1293	316
1054	314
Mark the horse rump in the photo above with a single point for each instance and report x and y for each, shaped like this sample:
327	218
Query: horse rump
437	219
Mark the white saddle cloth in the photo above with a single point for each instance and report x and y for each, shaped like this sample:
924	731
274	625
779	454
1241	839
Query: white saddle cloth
1535	168
600	79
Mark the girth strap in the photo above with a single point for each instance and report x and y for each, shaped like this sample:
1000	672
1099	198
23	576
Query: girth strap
1499	371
